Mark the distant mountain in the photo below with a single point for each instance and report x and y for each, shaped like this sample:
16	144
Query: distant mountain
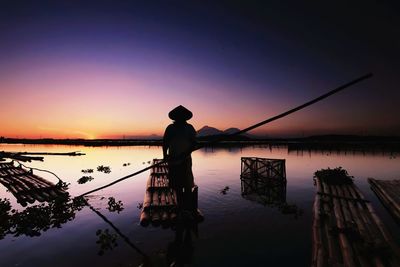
208	131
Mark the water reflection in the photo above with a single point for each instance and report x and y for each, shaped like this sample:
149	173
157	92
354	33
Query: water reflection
222	233
181	250
107	240
36	219
265	195
264	181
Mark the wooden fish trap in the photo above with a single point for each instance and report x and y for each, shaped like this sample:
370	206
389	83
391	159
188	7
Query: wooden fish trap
160	200
346	231
26	186
388	193
264	177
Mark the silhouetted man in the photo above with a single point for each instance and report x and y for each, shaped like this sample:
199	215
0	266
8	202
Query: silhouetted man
179	142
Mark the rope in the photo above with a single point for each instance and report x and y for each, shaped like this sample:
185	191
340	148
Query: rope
32	168
284	114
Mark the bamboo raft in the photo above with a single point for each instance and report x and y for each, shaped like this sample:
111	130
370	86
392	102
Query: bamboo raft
26	186
346	230
389	194
160	201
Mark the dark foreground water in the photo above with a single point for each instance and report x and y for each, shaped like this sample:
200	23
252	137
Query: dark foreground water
236	231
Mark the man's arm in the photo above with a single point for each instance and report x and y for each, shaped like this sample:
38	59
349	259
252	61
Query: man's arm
165	151
166	143
193	138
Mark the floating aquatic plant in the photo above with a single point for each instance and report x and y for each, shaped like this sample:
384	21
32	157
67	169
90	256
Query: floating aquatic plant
63	185
85	179
105	169
126	164
115	206
336	176
87	171
225	190
106	241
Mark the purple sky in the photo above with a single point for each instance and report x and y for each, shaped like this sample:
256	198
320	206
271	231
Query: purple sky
106	69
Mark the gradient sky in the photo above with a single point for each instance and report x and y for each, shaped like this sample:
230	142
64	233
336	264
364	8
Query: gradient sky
101	69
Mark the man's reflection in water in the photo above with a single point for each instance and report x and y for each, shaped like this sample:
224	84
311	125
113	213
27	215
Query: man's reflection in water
181	250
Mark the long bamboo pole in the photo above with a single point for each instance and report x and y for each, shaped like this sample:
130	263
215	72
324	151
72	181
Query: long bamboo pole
274	118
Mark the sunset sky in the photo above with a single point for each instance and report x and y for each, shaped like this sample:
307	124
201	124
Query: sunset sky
108	69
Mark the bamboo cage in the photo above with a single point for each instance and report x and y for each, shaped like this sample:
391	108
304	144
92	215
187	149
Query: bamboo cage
346	230
160	200
26	186
265	178
388	192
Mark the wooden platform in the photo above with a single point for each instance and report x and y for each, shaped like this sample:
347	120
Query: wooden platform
346	230
160	201
26	186
389	194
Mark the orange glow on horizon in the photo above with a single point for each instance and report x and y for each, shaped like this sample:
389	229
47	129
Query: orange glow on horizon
62	98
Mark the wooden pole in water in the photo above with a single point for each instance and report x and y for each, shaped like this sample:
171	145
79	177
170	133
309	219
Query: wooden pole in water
389	200
379	224
318	255
353	220
328	222
383	197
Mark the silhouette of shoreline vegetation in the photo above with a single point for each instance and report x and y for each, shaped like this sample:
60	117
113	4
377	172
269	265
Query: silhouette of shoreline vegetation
305	143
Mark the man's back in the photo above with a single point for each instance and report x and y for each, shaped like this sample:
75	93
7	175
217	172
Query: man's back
179	138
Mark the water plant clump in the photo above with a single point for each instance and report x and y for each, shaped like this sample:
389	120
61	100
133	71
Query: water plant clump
63	185
87	171
225	190
36	219
336	176
115	206
106	241
105	169
126	164
85	179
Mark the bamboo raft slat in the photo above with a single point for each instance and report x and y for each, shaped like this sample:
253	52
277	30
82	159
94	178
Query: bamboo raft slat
160	201
388	191
27	156
26	186
346	231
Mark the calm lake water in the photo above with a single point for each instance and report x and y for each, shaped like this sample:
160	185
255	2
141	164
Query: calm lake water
236	231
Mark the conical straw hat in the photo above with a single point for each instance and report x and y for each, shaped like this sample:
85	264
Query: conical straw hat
180	113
